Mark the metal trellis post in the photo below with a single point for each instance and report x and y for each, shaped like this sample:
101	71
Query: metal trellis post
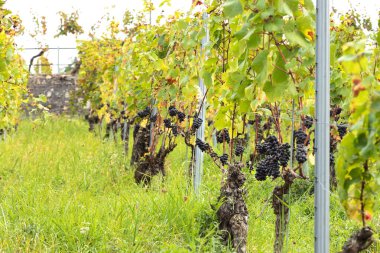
322	132
198	171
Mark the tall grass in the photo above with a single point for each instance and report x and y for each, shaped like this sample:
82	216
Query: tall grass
63	189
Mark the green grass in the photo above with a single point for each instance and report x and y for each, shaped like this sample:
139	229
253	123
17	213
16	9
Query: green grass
62	189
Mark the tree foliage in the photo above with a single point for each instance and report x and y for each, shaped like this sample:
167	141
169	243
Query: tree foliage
13	77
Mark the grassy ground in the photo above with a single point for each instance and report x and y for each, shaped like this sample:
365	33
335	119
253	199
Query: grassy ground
62	189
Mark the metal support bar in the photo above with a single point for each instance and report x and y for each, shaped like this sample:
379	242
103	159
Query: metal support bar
198	171
322	132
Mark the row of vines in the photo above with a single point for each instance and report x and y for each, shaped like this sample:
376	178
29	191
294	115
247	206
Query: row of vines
259	73
13	77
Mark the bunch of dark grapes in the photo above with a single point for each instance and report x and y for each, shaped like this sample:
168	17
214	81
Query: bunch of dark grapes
181	116
275	154
144	113
342	129
269	146
224	159
197	123
308	122
301	153
175	130
167	123
153	118
202	145
214	155
262	170
223	135
261	149
251	122
172	111
239	150
301	140
283	154
335	111
267	167
300	137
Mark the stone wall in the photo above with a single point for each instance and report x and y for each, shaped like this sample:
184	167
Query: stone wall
59	90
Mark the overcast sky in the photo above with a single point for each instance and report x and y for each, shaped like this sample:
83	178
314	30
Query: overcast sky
90	11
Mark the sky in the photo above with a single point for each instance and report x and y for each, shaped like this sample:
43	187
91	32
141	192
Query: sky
90	11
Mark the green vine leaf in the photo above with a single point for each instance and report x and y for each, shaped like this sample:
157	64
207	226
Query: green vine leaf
232	8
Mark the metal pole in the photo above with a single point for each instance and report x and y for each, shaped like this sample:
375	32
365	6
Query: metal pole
322	133
201	131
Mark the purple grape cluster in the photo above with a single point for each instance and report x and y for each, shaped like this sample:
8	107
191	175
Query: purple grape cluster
203	146
167	123
153	118
181	116
222	136
223	159
301	141
267	167
342	129
175	130
196	123
308	122
172	111
144	113
239	150
274	155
